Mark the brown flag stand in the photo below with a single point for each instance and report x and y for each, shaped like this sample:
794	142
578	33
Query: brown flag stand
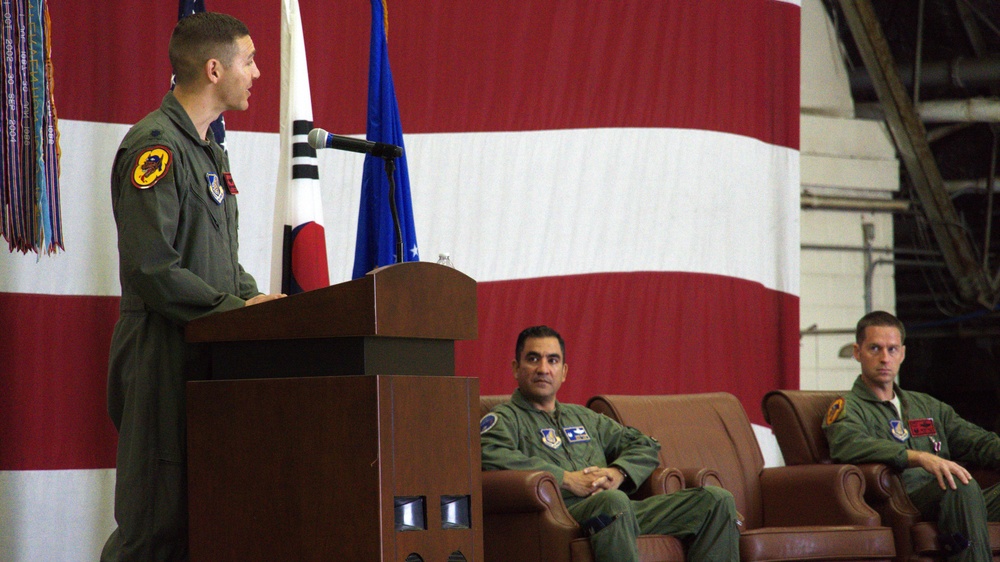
328	432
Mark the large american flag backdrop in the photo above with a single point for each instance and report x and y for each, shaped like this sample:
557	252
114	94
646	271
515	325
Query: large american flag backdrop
626	172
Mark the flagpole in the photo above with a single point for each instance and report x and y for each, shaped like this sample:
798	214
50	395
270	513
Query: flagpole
390	168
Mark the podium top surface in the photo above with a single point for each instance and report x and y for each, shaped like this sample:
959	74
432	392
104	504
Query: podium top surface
406	300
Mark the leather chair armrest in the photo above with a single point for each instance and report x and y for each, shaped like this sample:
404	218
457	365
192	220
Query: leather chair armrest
524	491
815	494
884	492
698	477
661	481
878	481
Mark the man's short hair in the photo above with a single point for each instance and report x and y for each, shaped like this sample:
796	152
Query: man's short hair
200	37
537	332
882	319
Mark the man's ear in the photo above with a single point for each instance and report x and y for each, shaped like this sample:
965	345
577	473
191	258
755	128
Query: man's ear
513	367
856	351
212	68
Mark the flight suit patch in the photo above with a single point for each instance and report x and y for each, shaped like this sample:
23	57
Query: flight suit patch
576	434
834	411
487	423
150	166
550	438
922	427
215	188
227	178
899	431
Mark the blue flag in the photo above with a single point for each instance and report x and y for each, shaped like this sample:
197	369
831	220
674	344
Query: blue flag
376	244
187	8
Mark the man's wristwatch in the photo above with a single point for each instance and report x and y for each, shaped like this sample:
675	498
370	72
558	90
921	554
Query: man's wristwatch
622	470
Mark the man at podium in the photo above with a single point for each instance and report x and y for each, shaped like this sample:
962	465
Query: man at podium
174	202
597	462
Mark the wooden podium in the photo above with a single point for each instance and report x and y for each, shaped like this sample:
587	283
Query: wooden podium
326	432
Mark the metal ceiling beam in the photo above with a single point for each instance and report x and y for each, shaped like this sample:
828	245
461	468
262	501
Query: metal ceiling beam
911	140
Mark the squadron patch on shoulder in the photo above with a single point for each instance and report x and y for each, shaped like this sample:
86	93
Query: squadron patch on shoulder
577	434
550	438
151	165
834	411
215	188
487	423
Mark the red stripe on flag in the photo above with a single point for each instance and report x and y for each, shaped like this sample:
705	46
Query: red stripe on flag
643	333
715	65
53	399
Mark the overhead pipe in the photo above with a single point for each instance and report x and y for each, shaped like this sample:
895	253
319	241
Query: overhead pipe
972	110
958	72
831	203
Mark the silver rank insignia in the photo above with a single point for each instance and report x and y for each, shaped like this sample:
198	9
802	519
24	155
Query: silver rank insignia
215	188
576	434
550	438
899	431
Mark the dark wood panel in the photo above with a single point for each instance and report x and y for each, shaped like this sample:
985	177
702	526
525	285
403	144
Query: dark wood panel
332	357
308	468
292	464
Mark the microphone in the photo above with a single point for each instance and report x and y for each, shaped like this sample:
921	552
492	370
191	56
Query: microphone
320	138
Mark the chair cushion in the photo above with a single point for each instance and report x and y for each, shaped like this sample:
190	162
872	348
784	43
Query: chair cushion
488	402
817	543
796	417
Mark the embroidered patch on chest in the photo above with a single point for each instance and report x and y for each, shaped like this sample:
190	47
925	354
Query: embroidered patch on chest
550	438
922	427
899	431
150	166
230	183
576	434
215	188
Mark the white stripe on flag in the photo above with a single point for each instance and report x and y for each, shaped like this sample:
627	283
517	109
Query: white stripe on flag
63	515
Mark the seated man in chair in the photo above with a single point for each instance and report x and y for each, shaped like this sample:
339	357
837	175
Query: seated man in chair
597	461
918	434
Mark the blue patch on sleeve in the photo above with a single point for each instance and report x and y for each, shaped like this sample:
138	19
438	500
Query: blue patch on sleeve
487	423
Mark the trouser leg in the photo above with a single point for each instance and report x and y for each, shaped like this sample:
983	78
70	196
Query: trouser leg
617	541
145	401
704	518
991	496
961	511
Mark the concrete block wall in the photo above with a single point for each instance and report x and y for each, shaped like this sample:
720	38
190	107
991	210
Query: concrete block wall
840	156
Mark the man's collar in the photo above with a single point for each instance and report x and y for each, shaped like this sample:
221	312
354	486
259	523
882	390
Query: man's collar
176	112
520	401
862	390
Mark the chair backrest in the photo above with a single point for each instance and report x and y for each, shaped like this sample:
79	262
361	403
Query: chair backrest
486	403
796	418
698	431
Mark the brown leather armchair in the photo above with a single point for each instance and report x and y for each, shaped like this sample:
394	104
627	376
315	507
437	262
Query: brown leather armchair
796	417
525	519
790	513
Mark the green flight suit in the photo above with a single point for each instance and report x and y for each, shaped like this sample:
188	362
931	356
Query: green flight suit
516	436
863	429
177	248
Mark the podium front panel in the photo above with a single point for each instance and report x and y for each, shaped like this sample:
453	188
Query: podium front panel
313	468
